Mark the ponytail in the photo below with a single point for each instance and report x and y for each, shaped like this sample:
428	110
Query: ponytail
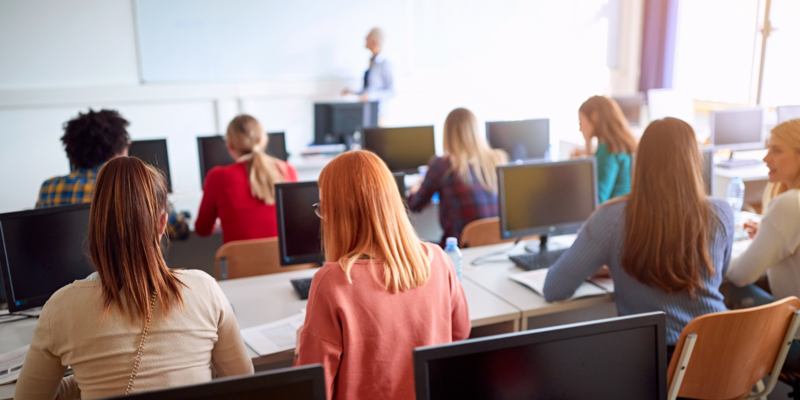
246	135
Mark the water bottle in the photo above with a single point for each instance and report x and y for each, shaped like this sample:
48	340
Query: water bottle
736	196
451	248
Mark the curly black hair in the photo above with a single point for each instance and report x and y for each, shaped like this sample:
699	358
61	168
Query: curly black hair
94	138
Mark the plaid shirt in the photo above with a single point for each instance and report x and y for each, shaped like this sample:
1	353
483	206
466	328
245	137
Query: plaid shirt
77	187
459	203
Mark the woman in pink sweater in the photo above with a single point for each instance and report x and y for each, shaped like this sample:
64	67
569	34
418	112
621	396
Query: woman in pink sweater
381	293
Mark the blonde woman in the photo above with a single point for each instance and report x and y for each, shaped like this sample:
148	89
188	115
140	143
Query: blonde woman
381	293
465	178
776	240
242	195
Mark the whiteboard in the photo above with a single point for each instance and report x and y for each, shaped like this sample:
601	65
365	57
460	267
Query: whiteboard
247	40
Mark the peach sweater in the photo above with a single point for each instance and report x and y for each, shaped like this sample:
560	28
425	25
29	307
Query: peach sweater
180	349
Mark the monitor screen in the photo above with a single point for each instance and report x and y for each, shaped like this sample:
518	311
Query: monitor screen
213	152
337	122
153	152
708	170
740	129
618	358
298	225
276	145
521	140
400	179
631	108
299	383
42	251
402	149
786	113
546	197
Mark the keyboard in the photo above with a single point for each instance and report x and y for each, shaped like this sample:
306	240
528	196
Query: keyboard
302	286
739	163
532	261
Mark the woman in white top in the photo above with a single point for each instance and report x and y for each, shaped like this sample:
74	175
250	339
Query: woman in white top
777	238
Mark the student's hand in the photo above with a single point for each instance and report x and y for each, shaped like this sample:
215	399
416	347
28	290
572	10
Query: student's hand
363	97
578	153
297	338
751	227
603	272
346	91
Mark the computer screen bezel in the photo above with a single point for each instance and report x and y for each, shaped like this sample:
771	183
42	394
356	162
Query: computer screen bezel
423	355
38	301
409	171
559	229
782	109
166	161
318	258
760	144
489	138
222	387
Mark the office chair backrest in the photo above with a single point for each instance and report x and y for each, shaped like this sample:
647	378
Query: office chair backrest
733	351
245	258
484	232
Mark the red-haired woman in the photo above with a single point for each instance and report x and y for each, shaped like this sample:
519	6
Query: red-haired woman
180	322
382	291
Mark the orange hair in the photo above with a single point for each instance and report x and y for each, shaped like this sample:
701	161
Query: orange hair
363	215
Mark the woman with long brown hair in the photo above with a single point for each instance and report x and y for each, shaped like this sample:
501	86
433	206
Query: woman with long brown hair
242	195
465	178
666	244
601	118
381	293
134	325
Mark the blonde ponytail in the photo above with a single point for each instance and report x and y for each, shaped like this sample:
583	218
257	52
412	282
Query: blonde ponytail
246	135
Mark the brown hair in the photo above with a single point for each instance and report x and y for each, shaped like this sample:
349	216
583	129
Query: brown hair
610	125
467	148
124	241
668	214
246	135
789	133
363	214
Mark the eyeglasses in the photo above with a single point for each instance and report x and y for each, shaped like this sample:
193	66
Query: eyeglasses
317	209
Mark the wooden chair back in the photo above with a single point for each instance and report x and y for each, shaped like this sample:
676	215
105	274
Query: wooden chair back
733	351
484	232
245	258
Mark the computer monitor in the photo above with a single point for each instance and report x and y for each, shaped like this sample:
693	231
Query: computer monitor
298	383
631	107
153	152
339	122
213	151
786	113
299	228
708	169
42	251
739	129
400	179
546	198
402	149
616	358
521	140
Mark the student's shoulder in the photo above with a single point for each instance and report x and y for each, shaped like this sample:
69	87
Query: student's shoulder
787	202
612	209
194	277
224	172
54	181
722	209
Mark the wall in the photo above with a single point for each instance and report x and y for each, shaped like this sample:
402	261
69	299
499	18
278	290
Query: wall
504	60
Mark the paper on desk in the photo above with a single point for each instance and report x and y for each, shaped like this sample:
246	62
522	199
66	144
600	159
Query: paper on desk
11	364
535	280
274	337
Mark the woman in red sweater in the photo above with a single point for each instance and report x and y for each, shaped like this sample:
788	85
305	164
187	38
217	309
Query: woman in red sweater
382	291
242	195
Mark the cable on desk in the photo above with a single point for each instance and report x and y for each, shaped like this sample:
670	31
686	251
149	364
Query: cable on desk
485	259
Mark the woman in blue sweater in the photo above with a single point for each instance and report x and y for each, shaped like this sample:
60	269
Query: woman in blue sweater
666	244
601	118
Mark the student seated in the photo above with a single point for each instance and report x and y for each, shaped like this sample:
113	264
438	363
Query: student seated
98	325
242	195
601	118
465	178
382	291
90	140
666	244
777	238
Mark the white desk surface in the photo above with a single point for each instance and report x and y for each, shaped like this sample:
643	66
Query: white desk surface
751	173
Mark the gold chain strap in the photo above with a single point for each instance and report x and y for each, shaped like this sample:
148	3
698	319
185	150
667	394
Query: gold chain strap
141	345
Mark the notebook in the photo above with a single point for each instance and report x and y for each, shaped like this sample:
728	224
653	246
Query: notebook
534	280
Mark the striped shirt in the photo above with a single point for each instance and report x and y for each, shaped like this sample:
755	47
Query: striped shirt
601	242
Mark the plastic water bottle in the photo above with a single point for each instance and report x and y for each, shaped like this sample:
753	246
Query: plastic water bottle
736	196
451	248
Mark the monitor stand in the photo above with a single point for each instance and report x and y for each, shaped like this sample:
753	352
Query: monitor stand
531	247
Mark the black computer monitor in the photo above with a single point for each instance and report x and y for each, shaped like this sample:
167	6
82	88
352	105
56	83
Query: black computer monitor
299	228
786	113
42	251
153	152
522	140
708	170
739	129
299	383
338	122
402	149
213	152
617	358
631	107
546	198
400	179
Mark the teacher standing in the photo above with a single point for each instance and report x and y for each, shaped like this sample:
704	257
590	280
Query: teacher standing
378	80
